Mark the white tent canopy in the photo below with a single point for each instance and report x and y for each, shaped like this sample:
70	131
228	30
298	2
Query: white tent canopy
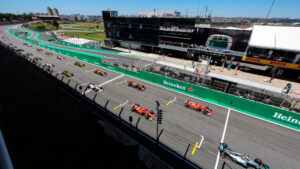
78	41
276	37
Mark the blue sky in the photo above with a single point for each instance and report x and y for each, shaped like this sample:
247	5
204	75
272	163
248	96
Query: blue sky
227	8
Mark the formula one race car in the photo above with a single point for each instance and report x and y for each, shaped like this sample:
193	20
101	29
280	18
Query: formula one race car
49	65
36	59
60	58
39	49
67	73
149	115
95	87
48	53
241	159
79	64
99	72
198	107
135	85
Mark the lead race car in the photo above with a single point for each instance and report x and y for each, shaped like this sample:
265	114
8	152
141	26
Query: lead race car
241	159
149	115
95	87
198	107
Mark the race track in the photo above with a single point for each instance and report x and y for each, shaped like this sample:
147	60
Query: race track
277	146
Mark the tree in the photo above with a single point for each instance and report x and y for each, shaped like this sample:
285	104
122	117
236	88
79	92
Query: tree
55	23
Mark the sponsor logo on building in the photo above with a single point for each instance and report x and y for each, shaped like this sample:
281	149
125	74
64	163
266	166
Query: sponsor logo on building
289	119
174	85
271	62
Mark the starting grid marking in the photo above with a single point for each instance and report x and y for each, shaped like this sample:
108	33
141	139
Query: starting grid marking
89	70
121	82
121	105
171	101
198	145
69	63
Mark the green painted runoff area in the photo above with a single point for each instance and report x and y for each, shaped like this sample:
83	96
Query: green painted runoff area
70	45
263	111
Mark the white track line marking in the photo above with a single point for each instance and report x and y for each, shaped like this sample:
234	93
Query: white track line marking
202	138
198	145
102	84
222	139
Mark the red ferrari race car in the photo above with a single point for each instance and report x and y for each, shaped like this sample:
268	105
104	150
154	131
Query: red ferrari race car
149	115
135	85
198	107
95	87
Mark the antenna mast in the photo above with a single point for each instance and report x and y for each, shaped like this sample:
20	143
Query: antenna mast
270	9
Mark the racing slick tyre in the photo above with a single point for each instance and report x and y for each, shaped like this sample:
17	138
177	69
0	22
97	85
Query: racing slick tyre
129	84
258	161
266	166
222	154
147	116
151	112
225	145
186	104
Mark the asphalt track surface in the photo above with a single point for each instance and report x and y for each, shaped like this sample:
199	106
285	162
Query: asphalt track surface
277	146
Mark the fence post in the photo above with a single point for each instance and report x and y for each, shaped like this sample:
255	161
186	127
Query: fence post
62	78
84	91
76	86
68	81
186	152
94	97
106	104
119	113
136	125
223	166
159	135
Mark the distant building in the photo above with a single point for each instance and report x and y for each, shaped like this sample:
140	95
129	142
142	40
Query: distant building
160	14
113	13
47	17
50	13
55	12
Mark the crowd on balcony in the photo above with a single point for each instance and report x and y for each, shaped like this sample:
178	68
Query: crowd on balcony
175	29
280	56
